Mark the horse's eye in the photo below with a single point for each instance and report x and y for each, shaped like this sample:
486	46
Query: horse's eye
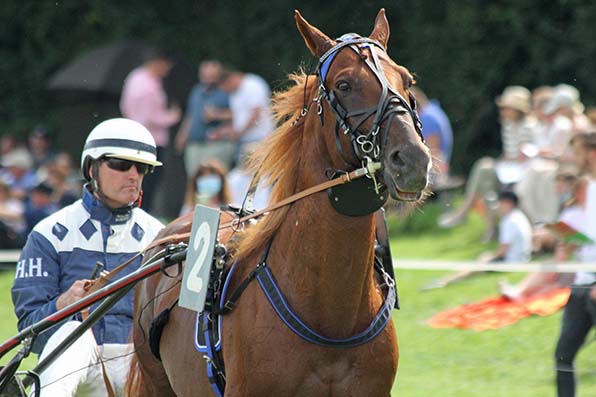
343	86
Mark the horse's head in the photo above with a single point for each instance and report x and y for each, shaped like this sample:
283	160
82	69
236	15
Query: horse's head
375	113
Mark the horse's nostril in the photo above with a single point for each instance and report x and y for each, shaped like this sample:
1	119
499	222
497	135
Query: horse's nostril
396	159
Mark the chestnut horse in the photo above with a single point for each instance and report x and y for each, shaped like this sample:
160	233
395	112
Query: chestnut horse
357	109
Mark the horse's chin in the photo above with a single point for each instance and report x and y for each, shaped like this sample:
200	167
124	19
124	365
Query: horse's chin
399	194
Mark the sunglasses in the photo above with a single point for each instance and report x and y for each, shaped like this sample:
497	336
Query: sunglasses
124	165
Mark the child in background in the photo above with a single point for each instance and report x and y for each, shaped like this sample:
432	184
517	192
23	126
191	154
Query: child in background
515	232
543	282
515	239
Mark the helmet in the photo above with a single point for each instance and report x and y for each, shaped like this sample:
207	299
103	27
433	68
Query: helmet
121	138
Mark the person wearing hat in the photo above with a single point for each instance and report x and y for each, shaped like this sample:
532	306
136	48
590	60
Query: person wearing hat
566	102
106	225
18	172
551	148
514	105
489	175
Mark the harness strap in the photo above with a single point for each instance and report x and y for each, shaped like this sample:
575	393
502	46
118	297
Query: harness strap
384	249
231	302
215	365
345	178
292	321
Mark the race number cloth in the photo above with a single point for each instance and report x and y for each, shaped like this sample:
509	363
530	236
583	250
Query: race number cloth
499	312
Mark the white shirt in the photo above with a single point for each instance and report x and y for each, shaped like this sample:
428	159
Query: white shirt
239	181
554	136
587	253
515	230
253	93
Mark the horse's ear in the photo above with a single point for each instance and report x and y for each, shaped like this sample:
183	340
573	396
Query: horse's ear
316	41
381	30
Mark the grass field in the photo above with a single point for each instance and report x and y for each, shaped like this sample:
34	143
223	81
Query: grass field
513	361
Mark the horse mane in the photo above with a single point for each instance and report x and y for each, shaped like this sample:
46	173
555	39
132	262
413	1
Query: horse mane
276	160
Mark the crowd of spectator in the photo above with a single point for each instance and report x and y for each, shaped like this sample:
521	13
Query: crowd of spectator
537	129
35	181
227	112
544	176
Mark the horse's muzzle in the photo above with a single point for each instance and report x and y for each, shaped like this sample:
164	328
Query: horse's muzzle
406	172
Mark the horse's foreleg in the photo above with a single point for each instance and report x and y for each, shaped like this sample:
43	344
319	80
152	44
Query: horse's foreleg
184	366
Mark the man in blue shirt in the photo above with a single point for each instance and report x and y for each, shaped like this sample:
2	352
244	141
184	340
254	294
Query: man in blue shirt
208	108
436	130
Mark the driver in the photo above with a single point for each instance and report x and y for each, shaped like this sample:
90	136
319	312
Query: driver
106	225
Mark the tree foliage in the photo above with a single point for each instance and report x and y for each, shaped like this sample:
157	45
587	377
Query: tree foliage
463	52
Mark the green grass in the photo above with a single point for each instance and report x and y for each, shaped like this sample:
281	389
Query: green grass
512	361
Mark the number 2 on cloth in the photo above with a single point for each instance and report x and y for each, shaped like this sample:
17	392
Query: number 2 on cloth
201	245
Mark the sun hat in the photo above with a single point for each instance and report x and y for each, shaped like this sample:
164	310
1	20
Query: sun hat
17	158
515	97
564	96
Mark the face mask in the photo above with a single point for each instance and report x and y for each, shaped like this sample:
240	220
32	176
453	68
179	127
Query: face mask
208	185
565	197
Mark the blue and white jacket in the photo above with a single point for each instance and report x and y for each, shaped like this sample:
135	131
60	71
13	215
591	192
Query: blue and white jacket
65	247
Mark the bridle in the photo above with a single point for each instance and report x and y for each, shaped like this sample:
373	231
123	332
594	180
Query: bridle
370	145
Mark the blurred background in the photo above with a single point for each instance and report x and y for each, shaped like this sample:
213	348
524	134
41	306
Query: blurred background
464	52
63	66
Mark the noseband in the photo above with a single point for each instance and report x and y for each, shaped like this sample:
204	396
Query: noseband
370	145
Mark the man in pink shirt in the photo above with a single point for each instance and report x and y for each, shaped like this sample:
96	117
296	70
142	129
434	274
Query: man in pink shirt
144	100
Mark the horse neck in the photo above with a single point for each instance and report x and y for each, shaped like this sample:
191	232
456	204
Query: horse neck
324	259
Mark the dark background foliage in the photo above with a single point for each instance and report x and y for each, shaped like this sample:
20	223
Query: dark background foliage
463	52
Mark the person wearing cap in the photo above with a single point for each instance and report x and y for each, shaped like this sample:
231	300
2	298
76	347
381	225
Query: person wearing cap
489	175
106	225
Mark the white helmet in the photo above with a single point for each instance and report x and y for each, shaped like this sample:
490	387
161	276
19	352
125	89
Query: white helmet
121	138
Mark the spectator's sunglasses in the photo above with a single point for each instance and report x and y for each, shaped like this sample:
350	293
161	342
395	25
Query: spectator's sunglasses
124	165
